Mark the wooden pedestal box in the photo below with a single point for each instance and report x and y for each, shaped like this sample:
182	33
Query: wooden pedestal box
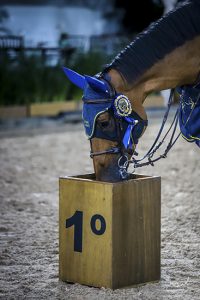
109	233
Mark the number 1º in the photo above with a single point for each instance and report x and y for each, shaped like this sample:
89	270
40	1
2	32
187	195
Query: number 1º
77	221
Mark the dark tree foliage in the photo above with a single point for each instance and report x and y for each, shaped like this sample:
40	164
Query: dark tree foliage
139	14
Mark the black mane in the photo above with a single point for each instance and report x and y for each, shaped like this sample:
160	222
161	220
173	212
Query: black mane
159	39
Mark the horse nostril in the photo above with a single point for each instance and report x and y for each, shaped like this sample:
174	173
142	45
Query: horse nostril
101	164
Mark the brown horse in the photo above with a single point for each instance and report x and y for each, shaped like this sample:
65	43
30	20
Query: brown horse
165	56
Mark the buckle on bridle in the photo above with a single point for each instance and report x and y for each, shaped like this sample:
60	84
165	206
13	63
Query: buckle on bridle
123	166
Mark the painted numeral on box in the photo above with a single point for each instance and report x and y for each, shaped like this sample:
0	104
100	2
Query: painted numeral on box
93	224
77	221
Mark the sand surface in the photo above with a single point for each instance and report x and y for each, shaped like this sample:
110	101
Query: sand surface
31	161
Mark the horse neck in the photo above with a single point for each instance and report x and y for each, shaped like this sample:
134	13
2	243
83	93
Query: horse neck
180	67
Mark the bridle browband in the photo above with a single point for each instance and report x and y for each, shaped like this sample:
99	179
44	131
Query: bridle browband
97	101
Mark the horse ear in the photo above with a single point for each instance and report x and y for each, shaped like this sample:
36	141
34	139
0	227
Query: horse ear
75	78
96	84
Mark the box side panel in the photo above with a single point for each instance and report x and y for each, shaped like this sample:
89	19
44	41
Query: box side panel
136	232
85	240
152	229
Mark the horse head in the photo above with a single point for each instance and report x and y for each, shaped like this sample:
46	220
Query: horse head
111	125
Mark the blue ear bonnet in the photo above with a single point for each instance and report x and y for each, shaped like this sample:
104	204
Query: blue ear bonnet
132	126
91	111
99	98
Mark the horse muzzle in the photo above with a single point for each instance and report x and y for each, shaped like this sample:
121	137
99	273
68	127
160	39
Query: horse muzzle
114	169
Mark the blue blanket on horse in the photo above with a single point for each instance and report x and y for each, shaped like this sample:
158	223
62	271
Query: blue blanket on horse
189	118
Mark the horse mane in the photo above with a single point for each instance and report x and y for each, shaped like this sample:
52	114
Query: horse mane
159	39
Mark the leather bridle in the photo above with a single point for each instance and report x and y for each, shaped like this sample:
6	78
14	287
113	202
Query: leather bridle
124	163
119	149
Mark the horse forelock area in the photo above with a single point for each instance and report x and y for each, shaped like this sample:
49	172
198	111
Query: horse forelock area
159	39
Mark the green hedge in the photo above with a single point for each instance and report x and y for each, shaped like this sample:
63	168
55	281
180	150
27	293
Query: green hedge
28	80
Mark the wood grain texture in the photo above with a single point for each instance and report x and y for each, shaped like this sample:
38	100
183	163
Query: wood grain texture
93	265
136	232
128	252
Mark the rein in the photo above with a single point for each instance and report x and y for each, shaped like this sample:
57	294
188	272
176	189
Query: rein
156	144
149	155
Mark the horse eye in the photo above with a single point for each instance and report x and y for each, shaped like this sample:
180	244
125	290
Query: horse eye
104	124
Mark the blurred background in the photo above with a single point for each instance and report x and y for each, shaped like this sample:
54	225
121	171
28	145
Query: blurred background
40	142
38	37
